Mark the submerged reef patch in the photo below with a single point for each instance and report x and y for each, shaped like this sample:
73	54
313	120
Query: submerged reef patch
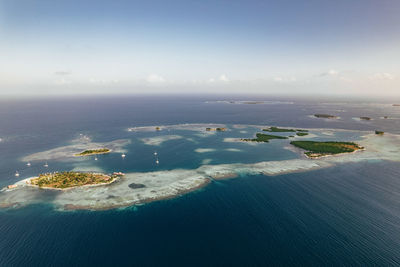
141	187
158	140
77	146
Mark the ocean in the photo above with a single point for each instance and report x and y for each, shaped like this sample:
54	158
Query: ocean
347	214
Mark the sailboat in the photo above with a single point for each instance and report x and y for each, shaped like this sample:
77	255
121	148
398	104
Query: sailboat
17	173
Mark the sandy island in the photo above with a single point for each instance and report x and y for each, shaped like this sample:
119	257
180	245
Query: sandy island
139	188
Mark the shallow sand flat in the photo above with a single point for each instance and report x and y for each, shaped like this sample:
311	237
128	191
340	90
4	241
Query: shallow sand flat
77	146
158	185
239	140
201	127
309	135
329	133
206	134
204	150
198	127
233	150
206	161
158	140
153	186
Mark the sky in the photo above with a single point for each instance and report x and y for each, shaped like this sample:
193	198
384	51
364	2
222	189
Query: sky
341	47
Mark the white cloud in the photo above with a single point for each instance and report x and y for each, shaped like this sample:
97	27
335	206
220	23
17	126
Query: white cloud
330	72
382	76
102	81
224	78
154	78
284	79
333	72
62	73
63	81
221	78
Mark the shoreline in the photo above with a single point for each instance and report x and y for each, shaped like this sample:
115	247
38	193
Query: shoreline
72	207
94	153
73	187
27	182
167	184
186	126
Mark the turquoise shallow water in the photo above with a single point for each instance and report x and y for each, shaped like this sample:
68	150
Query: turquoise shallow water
348	214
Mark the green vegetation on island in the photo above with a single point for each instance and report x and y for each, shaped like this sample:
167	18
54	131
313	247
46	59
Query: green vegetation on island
301	134
379	132
263	138
278	130
93	151
298	132
274	129
63	180
317	149
325	116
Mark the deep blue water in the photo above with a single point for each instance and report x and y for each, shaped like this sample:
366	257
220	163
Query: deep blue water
345	215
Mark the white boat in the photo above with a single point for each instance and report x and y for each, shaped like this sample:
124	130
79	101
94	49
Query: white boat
28	164
155	153
123	155
157	162
46	165
95	158
17	173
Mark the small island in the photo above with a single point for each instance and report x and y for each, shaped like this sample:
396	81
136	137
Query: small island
263	138
325	116
216	129
93	151
379	132
365	118
315	149
65	180
278	130
396	105
274	129
301	133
